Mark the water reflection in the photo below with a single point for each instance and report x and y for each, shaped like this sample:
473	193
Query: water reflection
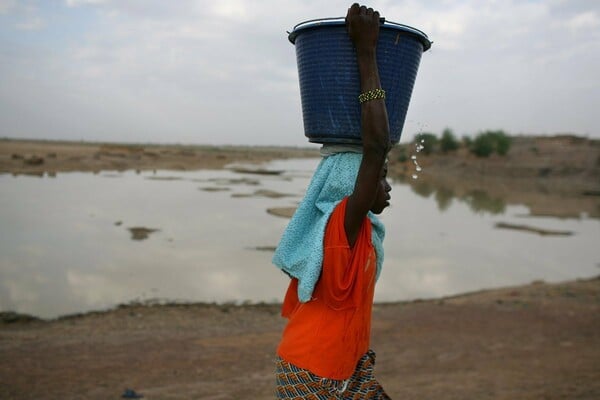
423	188
479	201
443	198
73	252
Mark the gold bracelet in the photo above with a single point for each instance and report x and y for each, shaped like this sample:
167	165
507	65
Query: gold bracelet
371	95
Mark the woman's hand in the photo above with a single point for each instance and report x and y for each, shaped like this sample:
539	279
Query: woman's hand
363	27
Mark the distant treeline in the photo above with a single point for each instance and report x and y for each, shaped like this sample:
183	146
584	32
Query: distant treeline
483	145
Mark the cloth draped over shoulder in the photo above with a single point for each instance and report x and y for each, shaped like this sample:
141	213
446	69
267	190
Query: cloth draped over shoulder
300	250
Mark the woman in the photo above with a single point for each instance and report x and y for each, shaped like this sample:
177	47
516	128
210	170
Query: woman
333	251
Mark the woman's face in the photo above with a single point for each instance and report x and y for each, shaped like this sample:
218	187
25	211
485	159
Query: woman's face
382	199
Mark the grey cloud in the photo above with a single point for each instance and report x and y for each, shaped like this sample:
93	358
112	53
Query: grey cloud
151	71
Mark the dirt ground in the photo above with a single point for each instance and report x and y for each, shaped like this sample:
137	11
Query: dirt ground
30	157
539	341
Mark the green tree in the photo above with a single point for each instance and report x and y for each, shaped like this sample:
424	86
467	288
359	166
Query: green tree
489	141
448	141
502	143
483	145
401	153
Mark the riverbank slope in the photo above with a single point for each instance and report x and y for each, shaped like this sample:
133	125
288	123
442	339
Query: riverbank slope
537	341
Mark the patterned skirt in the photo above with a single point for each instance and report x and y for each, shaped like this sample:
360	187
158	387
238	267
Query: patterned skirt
297	383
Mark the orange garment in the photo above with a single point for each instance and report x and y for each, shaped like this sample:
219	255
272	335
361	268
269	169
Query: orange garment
330	333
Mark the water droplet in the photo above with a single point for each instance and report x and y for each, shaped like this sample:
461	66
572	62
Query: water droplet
418	147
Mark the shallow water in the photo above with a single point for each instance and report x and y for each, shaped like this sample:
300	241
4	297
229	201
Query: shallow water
65	246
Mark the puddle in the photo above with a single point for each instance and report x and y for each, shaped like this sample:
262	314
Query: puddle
532	229
216	189
214	247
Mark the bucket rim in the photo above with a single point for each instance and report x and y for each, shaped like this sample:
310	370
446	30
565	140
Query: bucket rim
339	21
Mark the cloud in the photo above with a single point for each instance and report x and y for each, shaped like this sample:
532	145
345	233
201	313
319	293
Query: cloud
164	72
78	3
235	10
31	24
23	16
6	6
584	20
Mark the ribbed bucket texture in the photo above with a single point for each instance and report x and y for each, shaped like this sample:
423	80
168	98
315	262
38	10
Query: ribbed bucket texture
330	83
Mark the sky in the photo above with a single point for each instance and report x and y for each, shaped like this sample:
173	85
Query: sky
223	72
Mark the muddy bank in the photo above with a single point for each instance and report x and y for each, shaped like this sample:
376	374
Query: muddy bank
538	341
51	157
554	176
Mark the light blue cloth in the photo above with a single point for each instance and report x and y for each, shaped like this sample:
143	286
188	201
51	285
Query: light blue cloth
300	251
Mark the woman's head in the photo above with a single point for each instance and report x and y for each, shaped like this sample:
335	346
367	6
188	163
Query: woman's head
382	199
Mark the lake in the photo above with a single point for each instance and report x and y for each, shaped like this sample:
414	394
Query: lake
66	245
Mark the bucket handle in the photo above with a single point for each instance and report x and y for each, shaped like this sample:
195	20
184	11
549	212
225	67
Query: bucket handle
330	19
424	38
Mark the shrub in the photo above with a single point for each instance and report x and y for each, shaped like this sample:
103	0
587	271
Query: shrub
399	153
402	156
489	141
502	143
534	150
482	146
448	141
428	141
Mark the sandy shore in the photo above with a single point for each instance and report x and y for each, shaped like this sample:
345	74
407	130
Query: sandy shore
30	157
539	341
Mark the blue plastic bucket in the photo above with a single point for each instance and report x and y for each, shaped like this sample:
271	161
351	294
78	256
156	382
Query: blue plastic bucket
330	83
